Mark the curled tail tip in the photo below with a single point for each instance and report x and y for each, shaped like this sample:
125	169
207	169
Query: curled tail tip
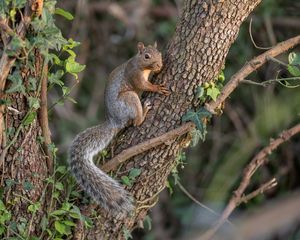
123	206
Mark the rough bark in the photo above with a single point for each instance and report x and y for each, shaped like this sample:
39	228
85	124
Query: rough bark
23	165
195	55
24	162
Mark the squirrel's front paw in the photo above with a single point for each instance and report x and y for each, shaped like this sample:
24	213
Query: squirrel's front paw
163	90
147	106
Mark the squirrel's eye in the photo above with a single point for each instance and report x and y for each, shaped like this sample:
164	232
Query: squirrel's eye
147	56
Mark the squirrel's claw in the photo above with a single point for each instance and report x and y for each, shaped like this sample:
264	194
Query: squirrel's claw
147	106
162	89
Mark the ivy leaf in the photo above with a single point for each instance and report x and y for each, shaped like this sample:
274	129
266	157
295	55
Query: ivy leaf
126	234
199	119
64	13
34	207
54	78
34	103
59	186
60	227
134	172
10	182
148	223
61	169
69	223
126	181
193	116
29	118
16	44
213	92
27	186
294	58
71	44
58	212
17	83
73	67
44	223
200	92
293	70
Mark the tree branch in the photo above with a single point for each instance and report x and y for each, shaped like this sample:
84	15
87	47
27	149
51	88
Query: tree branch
259	160
250	67
144	146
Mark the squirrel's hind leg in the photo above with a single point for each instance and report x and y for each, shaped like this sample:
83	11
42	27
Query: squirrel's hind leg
134	105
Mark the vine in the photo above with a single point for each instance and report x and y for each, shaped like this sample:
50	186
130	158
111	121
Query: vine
43	37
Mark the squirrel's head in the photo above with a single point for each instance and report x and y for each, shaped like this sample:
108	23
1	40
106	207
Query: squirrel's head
149	57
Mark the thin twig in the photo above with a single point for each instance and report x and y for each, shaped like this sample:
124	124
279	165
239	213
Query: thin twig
252	39
199	203
266	186
259	160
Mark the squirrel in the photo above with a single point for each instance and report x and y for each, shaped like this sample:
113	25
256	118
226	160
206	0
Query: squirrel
123	107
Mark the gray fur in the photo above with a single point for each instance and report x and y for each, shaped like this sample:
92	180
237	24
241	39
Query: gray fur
123	107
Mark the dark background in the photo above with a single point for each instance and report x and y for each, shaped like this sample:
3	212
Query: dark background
109	31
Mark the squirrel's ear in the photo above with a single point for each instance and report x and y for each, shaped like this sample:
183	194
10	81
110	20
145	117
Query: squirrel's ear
140	46
155	44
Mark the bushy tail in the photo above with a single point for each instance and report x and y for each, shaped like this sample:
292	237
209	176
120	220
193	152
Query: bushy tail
102	188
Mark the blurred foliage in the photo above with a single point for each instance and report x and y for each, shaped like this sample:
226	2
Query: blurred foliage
252	115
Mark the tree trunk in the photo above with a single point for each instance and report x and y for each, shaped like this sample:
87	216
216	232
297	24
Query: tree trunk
23	164
195	55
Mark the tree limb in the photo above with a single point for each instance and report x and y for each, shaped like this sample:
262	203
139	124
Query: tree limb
259	160
250	67
144	146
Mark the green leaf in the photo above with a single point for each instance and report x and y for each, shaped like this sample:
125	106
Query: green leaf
293	70
34	207
294	58
44	223
147	223
126	181
193	116
29	118
71	99
73	67
61	169
61	228
169	187
64	13
34	103
71	44
221	77
2	230
65	90
134	172
16	44
126	234
59	186
17	83
66	206
10	182
2	206
69	223
200	92
54	78
213	92
58	212
27	186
